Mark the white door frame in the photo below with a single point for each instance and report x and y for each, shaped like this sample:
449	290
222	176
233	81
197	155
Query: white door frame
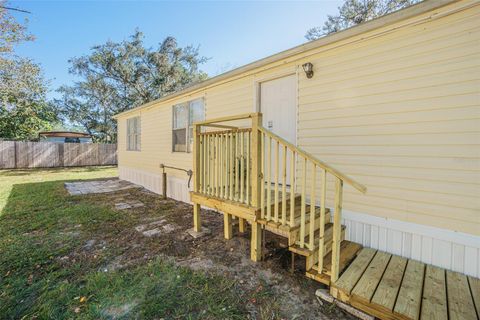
257	81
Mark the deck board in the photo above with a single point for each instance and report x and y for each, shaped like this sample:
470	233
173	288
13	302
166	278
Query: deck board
402	288
460	301
386	293
410	294
475	289
434	304
366	286
350	277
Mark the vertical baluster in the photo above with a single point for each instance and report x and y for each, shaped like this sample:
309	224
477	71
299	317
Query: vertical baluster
284	186
213	163
242	166
205	181
292	189
337	230
247	159
321	244
216	164
302	212
312	208
237	169
262	182
230	150
207	164
269	178
275	217
225	166
199	174
221	152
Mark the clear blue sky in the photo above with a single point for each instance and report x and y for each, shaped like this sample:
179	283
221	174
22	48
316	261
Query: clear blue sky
230	33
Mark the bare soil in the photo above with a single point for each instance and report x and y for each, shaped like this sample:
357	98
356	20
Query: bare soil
291	294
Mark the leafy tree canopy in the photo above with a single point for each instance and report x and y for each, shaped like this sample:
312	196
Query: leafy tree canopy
117	76
354	12
24	110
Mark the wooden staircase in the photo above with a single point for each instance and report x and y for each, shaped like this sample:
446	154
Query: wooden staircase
257	176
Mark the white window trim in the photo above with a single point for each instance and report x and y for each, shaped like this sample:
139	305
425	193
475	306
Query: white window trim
137	132
188	147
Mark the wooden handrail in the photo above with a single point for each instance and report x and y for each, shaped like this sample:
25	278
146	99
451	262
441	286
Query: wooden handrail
321	164
225	119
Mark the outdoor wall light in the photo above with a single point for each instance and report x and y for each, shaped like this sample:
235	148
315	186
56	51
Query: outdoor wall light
308	68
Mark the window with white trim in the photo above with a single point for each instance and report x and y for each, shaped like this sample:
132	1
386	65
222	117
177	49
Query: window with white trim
133	134
184	115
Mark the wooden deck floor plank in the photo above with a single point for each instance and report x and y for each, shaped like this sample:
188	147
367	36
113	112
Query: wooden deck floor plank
348	251
350	277
475	288
366	286
460	301
410	294
386	293
434	302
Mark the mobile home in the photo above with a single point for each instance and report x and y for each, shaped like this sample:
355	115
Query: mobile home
393	105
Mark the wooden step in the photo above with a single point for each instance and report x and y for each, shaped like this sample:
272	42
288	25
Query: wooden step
292	232
348	252
307	218
328	239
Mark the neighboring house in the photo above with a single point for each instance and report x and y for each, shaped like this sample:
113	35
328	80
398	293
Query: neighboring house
393	103
65	137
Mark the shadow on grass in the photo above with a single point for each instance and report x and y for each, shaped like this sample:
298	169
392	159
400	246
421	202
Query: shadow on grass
47	271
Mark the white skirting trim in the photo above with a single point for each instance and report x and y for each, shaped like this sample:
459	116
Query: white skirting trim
444	248
177	188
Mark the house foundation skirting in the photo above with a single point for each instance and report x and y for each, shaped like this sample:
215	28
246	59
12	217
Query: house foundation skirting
177	188
440	247
444	248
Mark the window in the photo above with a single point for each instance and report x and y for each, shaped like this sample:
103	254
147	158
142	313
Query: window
184	115
133	134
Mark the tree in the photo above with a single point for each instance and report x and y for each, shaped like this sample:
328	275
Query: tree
354	12
24	110
120	76
11	31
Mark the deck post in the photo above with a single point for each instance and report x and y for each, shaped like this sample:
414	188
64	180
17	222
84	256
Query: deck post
256	176
227	226
241	225
256	242
337	230
197	226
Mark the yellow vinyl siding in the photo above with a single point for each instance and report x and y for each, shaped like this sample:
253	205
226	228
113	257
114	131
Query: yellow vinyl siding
397	108
401	114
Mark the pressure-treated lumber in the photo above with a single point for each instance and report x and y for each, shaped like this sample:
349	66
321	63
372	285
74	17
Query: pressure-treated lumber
410	294
475	289
460	301
337	219
227	226
434	301
366	286
387	290
319	163
344	286
256	242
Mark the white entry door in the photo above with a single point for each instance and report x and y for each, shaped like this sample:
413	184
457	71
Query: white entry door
278	103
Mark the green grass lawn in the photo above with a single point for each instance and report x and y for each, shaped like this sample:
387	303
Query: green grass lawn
45	273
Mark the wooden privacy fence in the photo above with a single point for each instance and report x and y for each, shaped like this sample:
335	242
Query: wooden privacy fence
20	154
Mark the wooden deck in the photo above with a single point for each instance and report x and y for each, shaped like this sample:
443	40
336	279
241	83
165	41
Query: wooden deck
391	287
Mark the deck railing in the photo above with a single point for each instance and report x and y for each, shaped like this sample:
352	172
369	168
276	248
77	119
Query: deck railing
253	166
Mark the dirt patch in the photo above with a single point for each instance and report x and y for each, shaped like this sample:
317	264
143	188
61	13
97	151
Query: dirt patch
159	228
